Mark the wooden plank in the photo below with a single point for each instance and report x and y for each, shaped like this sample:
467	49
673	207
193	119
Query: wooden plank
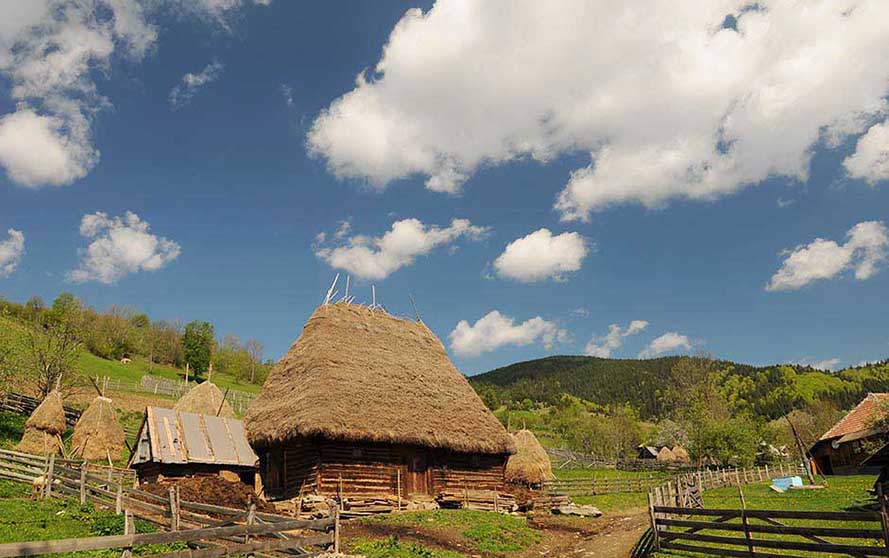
833	548
775	529
711	551
776	514
120	541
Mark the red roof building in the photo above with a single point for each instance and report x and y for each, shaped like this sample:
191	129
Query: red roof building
843	448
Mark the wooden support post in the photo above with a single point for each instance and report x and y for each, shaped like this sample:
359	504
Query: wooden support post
83	483
398	482
118	500
653	518
128	529
884	517
336	529
745	522
174	510
251	519
49	474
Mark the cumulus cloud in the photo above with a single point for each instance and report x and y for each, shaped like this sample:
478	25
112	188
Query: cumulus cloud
191	82
668	100
50	54
378	257
667	343
870	160
602	346
494	330
540	256
864	252
826	364
11	251
119	247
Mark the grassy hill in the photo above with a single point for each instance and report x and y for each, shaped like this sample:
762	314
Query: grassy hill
641	383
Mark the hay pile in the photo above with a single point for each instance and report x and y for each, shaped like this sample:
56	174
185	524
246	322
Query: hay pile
360	375
679	454
530	464
205	399
666	454
44	428
98	435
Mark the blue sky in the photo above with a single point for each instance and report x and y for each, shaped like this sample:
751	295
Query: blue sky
692	201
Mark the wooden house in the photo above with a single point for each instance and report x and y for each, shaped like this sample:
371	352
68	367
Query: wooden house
365	403
173	443
843	449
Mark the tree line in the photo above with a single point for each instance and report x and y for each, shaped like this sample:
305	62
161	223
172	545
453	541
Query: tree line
48	338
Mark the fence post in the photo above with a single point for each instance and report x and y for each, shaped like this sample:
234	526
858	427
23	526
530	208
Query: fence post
653	517
49	474
745	522
128	529
251	519
83	483
118	500
884	516
336	528
174	510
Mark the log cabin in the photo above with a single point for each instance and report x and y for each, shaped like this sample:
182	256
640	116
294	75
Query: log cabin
843	449
365	403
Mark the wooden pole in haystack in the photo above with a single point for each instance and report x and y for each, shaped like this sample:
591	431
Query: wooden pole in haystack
802	451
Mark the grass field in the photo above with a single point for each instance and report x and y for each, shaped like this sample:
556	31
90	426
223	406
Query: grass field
847	493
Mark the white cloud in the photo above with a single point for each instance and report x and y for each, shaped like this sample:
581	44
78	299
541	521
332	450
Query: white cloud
11	251
287	93
494	330
602	346
379	257
871	158
540	255
580	313
667	343
119	247
183	92
826	364
864	251
667	102
50	54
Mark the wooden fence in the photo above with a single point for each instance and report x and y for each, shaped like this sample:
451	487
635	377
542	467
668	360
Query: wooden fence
592	486
748	533
239	400
563	458
25	405
686	489
186	521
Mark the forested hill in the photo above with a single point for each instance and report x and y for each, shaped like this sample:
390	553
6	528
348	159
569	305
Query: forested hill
767	391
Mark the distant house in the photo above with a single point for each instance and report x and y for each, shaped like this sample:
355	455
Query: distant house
843	449
648	452
173	443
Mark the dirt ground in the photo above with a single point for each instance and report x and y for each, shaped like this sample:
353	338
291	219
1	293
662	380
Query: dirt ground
209	490
609	536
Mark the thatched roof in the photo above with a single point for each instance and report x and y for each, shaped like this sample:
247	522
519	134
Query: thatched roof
205	399
357	374
97	434
530	463
666	454
49	416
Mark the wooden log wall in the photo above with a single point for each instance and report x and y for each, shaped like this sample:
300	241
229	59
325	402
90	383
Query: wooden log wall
456	471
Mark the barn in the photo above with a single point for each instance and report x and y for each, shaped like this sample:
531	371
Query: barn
365	403
843	449
174	443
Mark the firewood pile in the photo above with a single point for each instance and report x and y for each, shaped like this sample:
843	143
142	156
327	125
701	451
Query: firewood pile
481	500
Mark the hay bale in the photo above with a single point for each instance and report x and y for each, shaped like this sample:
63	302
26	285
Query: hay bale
49	416
679	454
205	399
44	426
530	463
666	454
97	433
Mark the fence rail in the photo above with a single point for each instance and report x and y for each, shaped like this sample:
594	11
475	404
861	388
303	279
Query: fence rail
563	458
25	405
239	400
754	533
593	486
687	489
228	529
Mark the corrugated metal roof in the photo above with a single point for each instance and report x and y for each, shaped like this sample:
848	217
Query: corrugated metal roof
178	437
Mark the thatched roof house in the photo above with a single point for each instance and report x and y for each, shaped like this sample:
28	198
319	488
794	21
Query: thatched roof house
44	428
98	435
364	393
205	399
530	464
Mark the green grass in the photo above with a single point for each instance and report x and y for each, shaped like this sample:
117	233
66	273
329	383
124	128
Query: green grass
22	519
392	547
843	493
483	532
12	426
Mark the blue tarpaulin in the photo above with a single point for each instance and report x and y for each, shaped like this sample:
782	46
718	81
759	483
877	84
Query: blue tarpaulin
784	483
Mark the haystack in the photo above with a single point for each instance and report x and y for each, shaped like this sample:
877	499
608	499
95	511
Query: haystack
97	434
666	454
679	454
205	399
44	427
360	375
530	463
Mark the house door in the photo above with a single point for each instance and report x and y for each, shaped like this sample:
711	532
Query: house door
417	475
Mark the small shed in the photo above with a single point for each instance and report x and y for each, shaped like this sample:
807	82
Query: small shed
174	443
842	450
648	452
